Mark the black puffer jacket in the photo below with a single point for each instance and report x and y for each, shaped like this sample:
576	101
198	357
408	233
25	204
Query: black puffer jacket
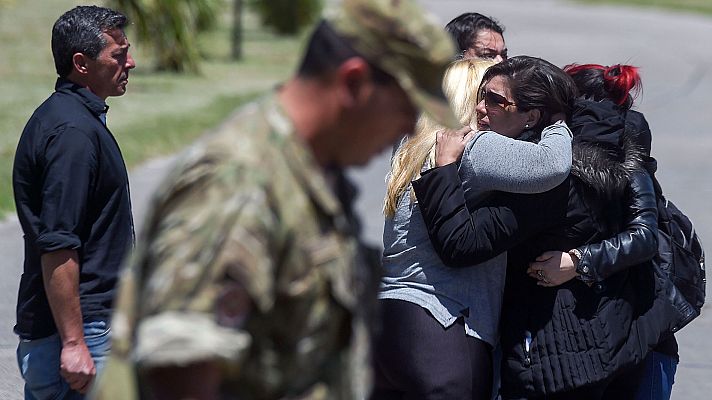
557	339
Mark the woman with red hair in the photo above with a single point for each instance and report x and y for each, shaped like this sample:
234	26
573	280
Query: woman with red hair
618	84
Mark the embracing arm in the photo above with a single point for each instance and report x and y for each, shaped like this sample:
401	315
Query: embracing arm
518	166
634	245
463	237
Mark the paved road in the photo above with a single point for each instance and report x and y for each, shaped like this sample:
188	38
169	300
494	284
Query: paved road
677	77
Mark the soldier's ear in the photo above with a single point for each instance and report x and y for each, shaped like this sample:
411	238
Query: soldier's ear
353	77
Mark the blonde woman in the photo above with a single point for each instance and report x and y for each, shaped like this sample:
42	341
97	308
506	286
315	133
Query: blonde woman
439	324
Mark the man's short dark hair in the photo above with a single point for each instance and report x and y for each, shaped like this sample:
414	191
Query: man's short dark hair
326	50
79	30
465	27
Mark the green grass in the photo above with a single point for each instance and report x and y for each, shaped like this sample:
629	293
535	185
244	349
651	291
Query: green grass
161	112
697	6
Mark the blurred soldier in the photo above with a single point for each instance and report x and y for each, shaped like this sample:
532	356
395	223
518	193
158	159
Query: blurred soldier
248	282
72	198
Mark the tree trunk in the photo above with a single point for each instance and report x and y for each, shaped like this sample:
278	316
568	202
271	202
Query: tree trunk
237	31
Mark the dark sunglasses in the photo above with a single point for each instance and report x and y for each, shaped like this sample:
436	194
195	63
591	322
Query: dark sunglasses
493	99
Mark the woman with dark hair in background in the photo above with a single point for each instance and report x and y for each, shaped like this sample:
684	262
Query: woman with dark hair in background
564	336
478	36
609	85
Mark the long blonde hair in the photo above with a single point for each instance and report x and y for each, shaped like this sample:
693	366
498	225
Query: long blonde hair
460	84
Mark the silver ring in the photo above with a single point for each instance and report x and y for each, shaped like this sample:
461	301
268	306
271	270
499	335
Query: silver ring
540	274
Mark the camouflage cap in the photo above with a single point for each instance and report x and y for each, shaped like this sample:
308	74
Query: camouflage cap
405	41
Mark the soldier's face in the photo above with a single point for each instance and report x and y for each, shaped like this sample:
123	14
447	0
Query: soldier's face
385	117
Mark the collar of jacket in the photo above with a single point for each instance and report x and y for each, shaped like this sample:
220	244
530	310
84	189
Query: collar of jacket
94	103
597	122
605	153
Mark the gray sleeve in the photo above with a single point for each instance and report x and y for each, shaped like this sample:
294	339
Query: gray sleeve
501	163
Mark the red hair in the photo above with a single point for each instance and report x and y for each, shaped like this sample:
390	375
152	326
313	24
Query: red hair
618	81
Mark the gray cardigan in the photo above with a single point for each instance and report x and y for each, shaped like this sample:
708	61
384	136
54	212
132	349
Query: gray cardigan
412	269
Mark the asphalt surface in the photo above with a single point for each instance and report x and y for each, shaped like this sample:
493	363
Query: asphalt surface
677	80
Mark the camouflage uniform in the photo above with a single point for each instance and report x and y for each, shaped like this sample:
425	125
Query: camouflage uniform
248	217
250	207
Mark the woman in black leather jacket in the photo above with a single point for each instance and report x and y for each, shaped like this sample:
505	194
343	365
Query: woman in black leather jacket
617	83
579	339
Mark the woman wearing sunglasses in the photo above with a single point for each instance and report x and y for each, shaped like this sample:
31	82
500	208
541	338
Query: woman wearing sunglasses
439	324
573	338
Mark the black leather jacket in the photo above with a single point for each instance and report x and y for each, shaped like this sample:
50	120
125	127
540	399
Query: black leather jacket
596	122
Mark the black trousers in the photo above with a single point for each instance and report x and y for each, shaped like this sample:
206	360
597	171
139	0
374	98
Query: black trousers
416	358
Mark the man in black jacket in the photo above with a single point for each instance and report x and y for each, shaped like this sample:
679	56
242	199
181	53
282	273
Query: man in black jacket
72	198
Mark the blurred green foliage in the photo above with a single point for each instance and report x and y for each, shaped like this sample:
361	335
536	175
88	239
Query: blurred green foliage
162	111
172	27
287	17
